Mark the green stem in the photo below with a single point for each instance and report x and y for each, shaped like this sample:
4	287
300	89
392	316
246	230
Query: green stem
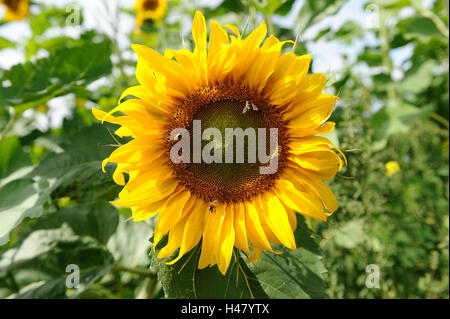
269	24
385	47
440	119
150	288
152	278
136	271
10	125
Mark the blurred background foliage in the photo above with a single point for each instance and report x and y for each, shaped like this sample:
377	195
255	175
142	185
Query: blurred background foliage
392	215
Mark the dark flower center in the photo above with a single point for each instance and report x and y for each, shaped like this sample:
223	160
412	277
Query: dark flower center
225	108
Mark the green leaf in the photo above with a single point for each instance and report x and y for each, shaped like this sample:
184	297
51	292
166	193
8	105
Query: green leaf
98	221
421	28
231	5
268	7
314	10
285	7
19	199
63	72
372	56
322	33
37	268
184	280
417	78
394	119
13	158
128	231
50	17
348	32
5	43
38	43
74	173
350	234
293	274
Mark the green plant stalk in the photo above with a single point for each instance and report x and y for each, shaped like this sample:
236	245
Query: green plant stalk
151	282
136	271
10	125
385	47
269	24
439	119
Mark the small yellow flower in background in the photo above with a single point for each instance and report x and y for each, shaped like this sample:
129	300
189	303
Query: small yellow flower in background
149	10
232	83
16	9
392	167
42	108
80	102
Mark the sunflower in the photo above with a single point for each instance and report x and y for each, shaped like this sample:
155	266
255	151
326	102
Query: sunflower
16	9
233	82
152	10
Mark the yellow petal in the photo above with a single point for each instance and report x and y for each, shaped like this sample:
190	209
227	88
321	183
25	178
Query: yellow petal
213	223
255	231
192	230
300	198
240	227
277	219
226	240
312	113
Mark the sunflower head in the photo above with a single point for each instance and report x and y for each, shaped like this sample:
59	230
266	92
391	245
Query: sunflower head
149	10
16	9
190	109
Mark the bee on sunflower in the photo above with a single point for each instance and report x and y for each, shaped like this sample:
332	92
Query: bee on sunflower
233	82
16	9
149	10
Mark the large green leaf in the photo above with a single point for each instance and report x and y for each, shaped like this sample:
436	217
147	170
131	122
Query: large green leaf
74	173
19	199
38	267
65	70
98	220
293	274
184	280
